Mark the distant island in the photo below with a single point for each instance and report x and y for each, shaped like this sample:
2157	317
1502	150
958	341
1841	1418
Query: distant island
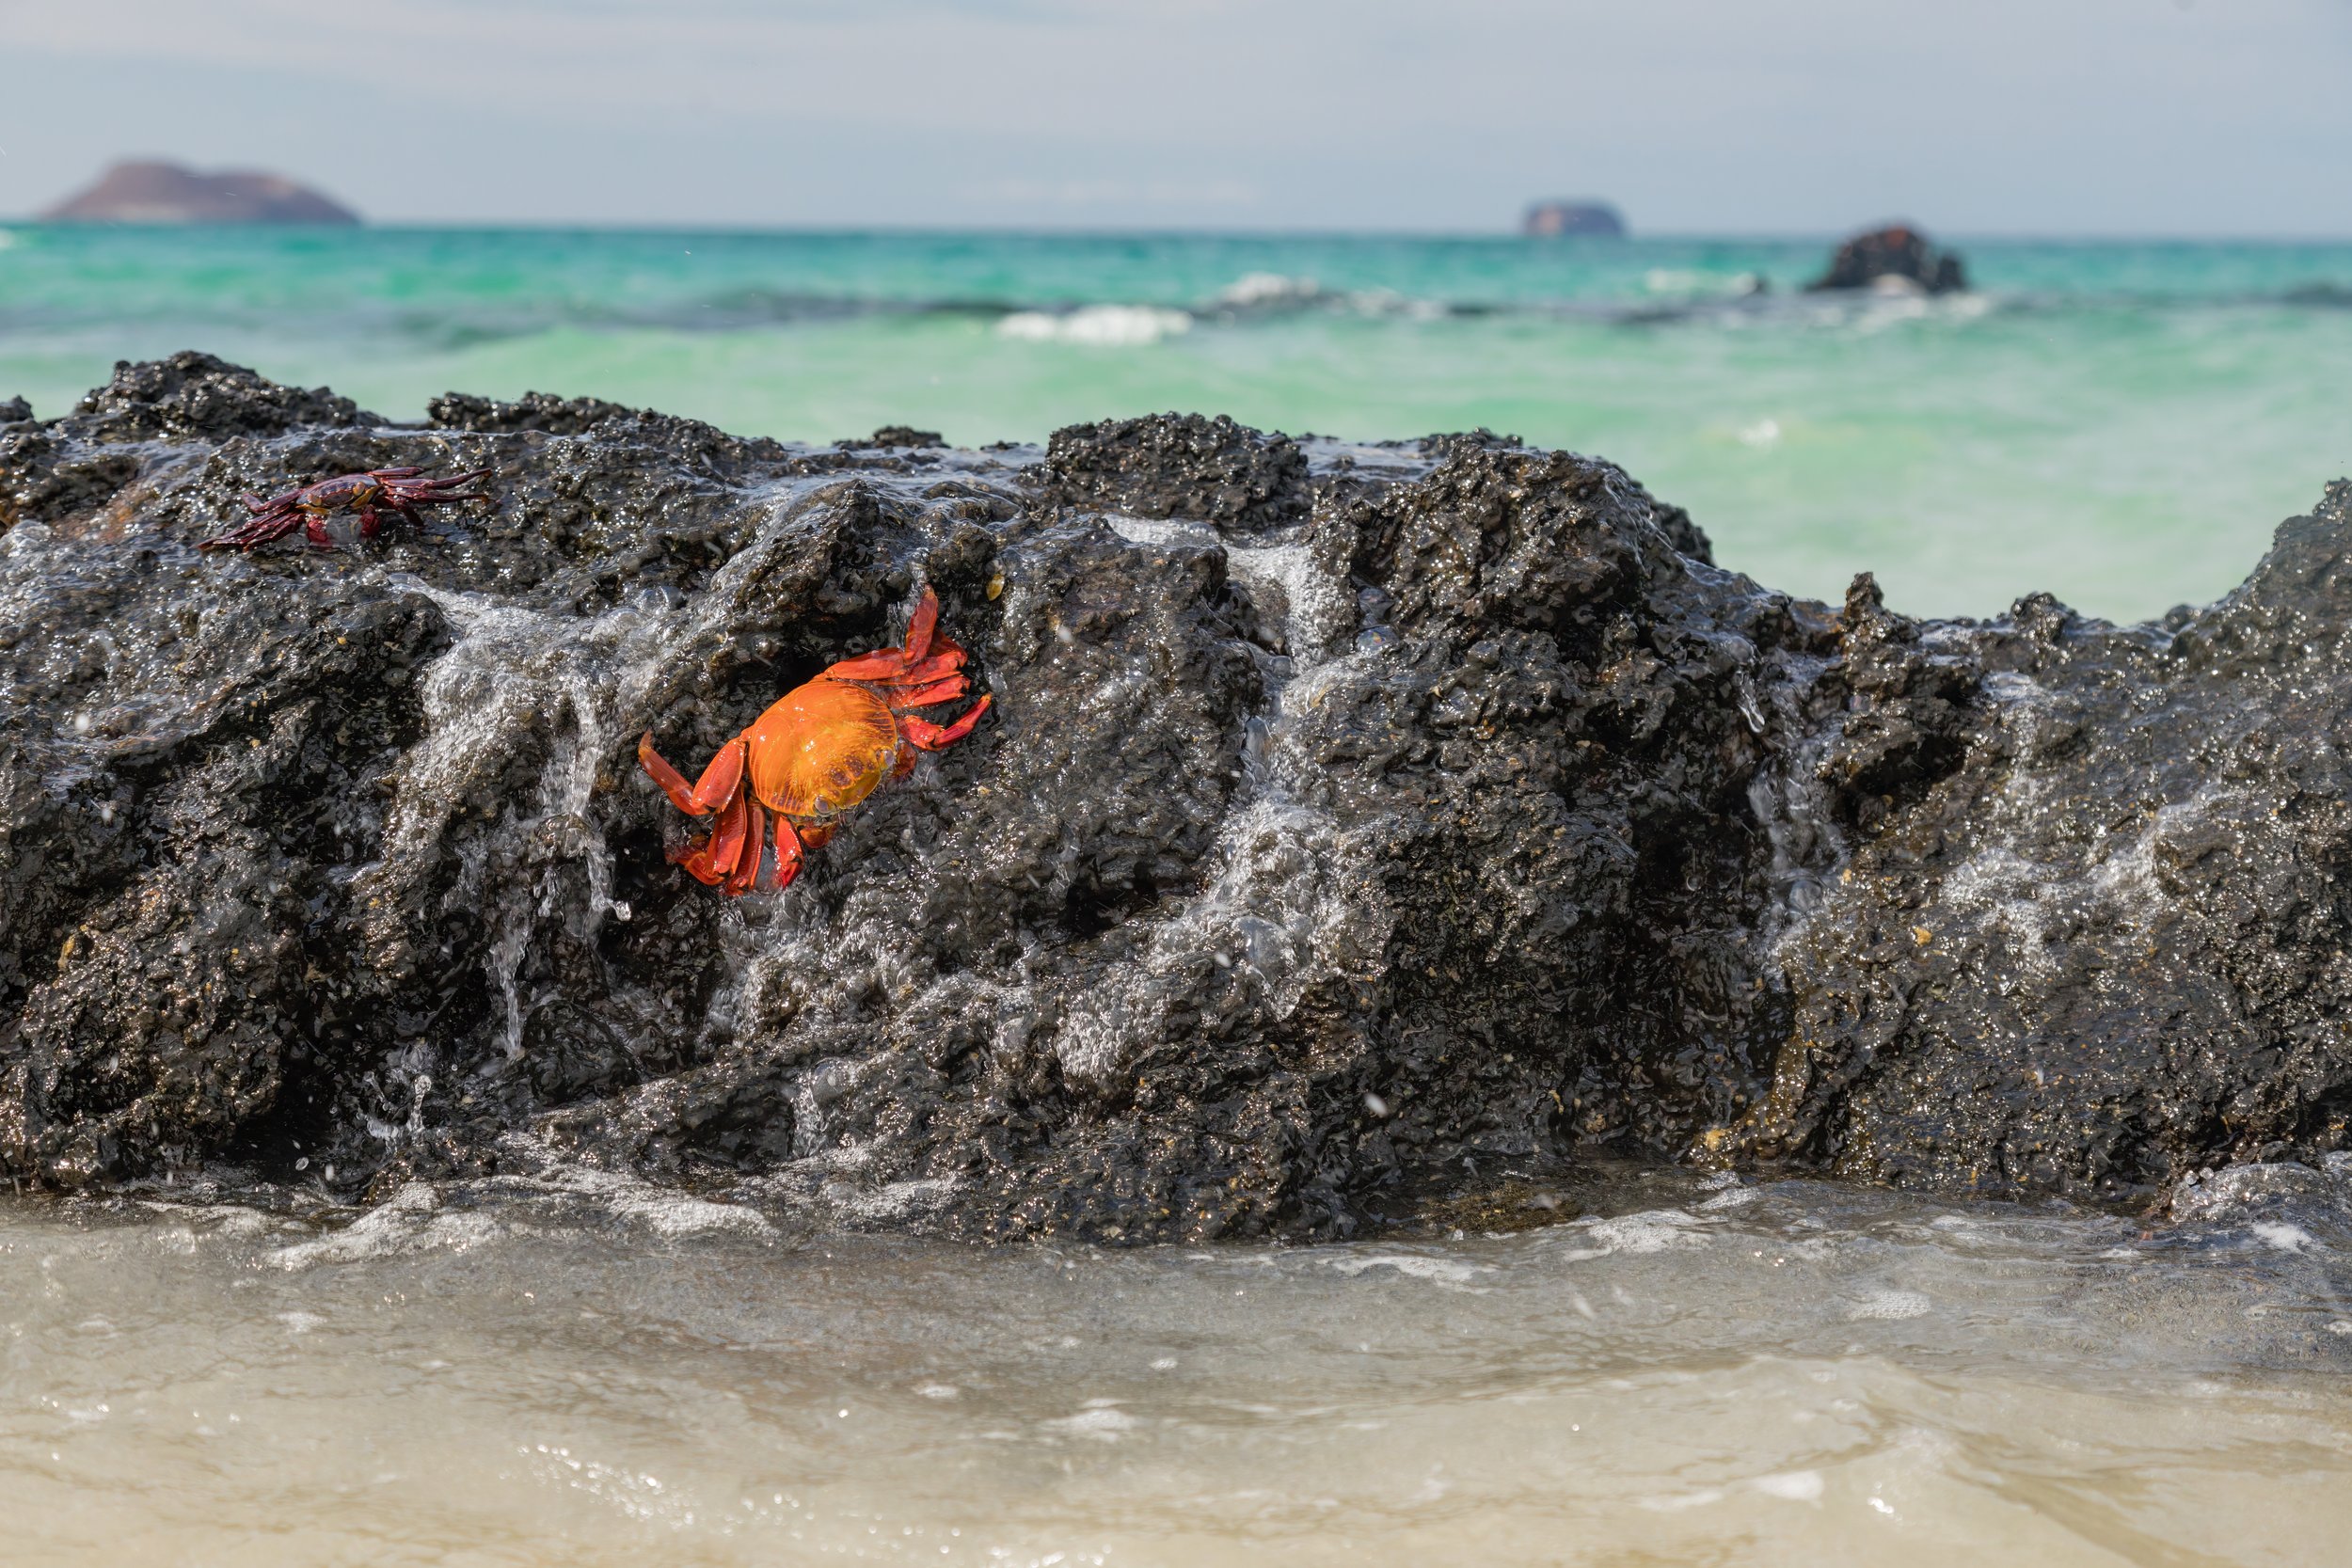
152	191
1549	219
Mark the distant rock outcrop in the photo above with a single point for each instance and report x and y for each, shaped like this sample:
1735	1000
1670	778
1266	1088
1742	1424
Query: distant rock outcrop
158	192
892	435
1898	251
1549	219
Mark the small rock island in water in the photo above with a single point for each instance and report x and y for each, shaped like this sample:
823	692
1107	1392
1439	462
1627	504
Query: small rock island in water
1897	256
1556	219
1353	821
152	191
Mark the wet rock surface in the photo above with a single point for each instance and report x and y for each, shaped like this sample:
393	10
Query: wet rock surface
1179	466
1353	823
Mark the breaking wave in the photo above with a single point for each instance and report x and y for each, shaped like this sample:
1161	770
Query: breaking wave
1096	326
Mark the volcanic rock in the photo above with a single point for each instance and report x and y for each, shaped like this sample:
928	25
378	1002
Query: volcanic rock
1180	466
152	191
1898	256
894	435
1354	824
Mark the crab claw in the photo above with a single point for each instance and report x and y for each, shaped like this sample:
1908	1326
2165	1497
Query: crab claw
720	783
789	846
730	858
884	664
930	737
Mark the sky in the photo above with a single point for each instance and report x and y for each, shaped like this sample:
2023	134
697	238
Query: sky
2020	116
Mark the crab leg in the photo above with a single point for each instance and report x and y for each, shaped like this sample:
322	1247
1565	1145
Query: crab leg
930	737
920	630
930	696
788	846
746	876
713	860
447	487
891	668
451	482
713	790
266	526
884	664
929	670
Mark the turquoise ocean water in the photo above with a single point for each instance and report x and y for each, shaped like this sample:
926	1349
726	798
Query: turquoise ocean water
2121	425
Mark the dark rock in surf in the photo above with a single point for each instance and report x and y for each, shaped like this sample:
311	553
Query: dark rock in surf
1896	255
894	435
1352	821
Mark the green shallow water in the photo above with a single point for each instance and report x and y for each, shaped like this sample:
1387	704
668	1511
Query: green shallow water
2119	424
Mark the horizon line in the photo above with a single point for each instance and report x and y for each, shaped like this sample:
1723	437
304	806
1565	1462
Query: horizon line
1059	230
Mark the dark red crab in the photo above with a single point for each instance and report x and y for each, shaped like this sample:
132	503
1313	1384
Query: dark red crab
398	491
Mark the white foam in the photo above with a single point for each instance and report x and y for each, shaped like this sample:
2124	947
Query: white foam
1796	1486
223	1219
1096	326
2285	1238
1319	608
660	1209
409	1221
1160	531
1443	1271
1890	1305
891	1200
2218	1194
1652	1230
1103	1423
1259	291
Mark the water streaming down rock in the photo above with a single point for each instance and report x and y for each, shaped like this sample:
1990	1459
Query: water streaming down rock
1352	819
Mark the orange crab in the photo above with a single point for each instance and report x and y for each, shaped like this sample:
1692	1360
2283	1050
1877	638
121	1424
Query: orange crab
818	749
